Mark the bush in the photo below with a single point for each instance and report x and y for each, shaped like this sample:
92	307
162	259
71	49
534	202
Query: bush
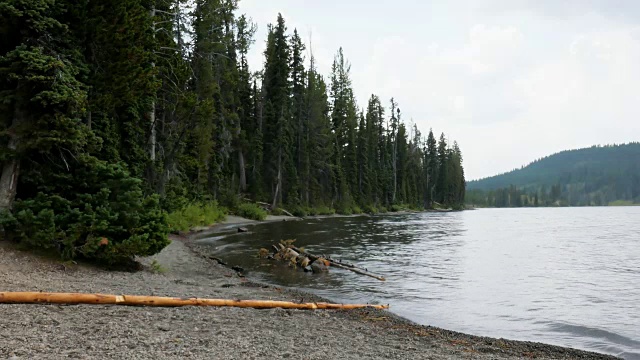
277	212
325	210
251	211
356	209
382	210
197	214
176	196
95	211
299	211
370	209
230	199
396	208
344	210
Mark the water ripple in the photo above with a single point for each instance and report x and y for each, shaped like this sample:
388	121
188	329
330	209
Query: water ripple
562	276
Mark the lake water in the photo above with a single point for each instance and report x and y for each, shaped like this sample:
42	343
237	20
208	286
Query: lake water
564	276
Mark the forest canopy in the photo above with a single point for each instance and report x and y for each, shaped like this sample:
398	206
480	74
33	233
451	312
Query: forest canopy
115	113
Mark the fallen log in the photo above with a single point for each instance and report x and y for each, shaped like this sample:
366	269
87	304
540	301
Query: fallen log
135	300
268	206
340	265
357	271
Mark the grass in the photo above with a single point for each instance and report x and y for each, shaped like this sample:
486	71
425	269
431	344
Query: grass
251	211
155	267
623	203
196	214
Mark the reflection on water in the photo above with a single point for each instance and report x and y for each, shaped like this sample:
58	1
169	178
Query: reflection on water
568	276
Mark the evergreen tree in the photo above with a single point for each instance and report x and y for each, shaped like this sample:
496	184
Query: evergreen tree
442	184
277	109
431	169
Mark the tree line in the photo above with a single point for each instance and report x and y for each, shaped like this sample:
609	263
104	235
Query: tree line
594	176
116	112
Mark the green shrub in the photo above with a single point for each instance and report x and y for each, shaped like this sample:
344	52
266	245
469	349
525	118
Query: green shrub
230	199
344	210
95	211
324	210
176	196
370	209
197	214
311	211
277	212
251	211
356	209
299	211
382	210
396	208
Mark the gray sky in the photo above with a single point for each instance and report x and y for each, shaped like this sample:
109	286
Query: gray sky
510	80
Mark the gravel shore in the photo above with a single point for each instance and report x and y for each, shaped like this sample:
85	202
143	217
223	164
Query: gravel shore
120	332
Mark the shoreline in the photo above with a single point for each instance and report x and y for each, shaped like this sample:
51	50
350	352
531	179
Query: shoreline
463	339
183	269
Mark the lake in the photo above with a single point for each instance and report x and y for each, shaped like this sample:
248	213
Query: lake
564	276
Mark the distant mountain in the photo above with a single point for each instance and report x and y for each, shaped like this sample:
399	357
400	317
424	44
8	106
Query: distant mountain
599	175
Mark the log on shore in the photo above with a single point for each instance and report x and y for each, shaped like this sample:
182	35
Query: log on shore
158	301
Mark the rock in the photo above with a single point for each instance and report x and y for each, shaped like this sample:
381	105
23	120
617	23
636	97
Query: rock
319	266
243	230
237	268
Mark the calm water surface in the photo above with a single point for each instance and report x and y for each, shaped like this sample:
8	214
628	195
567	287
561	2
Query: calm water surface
565	276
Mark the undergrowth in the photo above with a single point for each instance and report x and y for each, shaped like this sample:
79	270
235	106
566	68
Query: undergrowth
196	214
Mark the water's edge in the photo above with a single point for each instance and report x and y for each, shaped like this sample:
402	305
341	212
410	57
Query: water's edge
229	229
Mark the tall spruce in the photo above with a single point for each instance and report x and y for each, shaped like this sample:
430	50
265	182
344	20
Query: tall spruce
277	110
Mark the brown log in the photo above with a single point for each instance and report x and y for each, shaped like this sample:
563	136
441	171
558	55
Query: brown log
134	300
341	265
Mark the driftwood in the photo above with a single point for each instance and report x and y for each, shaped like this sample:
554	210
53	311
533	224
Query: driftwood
357	271
134	300
269	207
341	265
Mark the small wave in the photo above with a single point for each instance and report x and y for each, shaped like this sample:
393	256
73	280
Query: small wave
584	331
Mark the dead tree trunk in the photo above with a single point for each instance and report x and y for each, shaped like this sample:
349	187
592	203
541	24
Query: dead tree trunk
274	204
242	171
152	112
11	168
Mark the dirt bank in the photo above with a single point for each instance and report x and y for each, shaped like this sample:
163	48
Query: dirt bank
116	332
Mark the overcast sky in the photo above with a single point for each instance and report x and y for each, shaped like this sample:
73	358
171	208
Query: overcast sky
510	80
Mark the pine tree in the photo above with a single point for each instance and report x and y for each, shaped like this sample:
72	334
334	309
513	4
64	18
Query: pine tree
344	122
442	193
364	173
431	165
43	102
319	174
277	109
120	53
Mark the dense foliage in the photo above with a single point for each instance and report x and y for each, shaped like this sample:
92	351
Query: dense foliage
595	176
114	113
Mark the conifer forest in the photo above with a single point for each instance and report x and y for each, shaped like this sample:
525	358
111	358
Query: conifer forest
116	114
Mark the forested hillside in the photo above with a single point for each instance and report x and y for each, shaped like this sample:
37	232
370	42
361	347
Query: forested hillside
599	175
115	113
